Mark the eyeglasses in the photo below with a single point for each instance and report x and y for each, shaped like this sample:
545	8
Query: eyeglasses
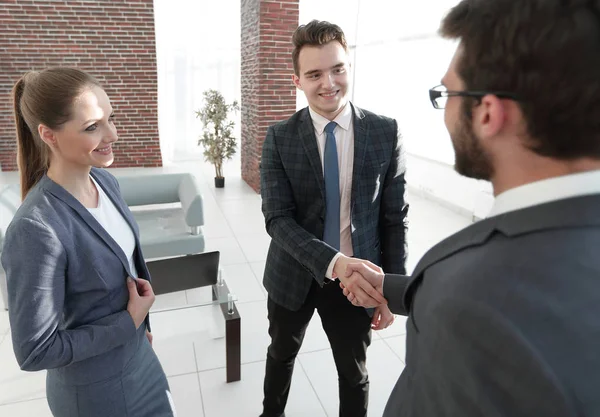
439	95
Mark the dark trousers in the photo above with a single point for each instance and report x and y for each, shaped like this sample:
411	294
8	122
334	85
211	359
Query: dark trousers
348	329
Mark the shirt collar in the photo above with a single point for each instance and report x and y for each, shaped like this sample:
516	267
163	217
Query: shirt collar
343	119
545	191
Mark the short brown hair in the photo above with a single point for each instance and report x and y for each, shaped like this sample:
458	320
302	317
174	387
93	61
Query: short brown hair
44	97
315	33
545	52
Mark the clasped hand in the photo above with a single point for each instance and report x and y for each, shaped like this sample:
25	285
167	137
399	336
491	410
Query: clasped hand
361	280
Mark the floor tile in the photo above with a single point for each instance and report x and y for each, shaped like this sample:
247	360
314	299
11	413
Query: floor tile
231	252
244	216
21	386
186	395
235	188
384	370
255	247
381	362
37	408
398	345
244	398
176	355
315	338
4	325
259	270
215	223
397	328
17	385
429	226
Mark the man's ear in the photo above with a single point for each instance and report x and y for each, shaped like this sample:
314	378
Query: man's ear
296	81
489	117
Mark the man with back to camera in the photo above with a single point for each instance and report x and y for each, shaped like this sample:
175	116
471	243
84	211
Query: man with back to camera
332	184
503	316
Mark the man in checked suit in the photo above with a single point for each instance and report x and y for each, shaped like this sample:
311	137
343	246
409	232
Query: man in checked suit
332	184
504	316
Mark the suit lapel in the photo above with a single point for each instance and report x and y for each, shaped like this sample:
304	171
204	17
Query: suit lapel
66	197
306	131
361	134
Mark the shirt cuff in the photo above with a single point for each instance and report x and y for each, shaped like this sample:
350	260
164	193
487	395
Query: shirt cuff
329	273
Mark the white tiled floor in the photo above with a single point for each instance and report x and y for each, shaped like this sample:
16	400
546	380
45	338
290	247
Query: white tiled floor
188	341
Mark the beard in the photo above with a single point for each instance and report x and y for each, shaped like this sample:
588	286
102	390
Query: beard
471	160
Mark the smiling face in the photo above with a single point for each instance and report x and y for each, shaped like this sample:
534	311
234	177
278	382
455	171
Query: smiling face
86	139
323	77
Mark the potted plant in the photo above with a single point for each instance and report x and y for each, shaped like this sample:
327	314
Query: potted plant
217	137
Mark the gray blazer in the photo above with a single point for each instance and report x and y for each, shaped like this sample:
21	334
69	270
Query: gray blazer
504	318
67	285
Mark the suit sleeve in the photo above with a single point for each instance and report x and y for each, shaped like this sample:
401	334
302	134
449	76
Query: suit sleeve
279	209
393	222
479	364
394	287
36	265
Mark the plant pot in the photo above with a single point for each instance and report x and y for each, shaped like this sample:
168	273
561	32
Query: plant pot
219	182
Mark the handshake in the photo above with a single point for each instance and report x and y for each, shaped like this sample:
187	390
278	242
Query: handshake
361	280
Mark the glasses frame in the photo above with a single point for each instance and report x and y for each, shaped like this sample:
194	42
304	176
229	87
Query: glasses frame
435	93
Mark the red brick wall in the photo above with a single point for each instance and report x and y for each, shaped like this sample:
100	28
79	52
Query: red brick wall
268	94
112	39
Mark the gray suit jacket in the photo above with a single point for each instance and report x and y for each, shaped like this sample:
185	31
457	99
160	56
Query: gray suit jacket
293	202
504	318
66	284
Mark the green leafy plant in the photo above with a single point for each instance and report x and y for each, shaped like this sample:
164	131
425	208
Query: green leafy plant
217	137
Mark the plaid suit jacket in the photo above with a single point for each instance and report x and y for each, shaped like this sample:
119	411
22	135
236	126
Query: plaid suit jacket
293	203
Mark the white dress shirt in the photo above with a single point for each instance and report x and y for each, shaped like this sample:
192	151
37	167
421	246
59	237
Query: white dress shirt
545	191
344	140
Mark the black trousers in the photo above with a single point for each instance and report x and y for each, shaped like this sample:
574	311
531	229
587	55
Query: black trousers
348	329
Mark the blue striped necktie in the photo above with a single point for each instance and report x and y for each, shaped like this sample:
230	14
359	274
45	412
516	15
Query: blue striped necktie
331	173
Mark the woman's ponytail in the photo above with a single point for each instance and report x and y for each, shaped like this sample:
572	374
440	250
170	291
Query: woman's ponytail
32	156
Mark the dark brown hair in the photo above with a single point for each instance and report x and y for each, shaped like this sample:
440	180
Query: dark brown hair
315	33
45	97
547	52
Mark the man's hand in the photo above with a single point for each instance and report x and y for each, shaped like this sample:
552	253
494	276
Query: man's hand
382	318
359	276
364	293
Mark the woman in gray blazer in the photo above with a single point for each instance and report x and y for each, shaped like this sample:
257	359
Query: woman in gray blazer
70	252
